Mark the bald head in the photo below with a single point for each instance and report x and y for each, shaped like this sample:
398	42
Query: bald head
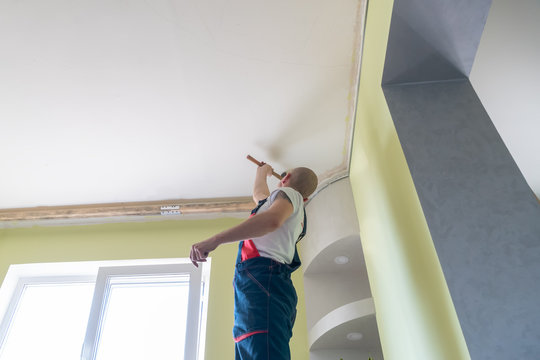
303	180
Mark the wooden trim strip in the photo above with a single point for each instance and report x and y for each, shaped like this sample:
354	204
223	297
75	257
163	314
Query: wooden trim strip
148	208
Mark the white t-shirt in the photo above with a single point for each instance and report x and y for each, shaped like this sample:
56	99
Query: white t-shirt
280	243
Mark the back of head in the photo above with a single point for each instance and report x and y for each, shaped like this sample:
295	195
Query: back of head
303	180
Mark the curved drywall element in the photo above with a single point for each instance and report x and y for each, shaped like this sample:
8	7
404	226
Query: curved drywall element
341	315
320	251
331	216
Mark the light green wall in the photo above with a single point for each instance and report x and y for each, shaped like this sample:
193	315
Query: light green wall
415	314
164	239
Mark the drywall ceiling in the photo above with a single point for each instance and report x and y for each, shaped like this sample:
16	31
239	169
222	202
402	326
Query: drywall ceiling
115	101
138	101
506	78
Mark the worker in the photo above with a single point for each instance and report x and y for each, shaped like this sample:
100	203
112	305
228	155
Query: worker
265	298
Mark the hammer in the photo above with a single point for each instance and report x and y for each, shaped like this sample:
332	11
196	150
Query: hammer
253	160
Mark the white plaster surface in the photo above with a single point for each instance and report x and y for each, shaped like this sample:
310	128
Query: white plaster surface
506	78
113	101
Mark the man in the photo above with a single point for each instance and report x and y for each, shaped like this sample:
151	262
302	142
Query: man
265	298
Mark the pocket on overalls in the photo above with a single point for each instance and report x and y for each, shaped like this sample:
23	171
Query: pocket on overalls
265	279
254	280
251	301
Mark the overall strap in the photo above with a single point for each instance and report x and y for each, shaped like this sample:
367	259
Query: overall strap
261	203
304	228
295	264
246	248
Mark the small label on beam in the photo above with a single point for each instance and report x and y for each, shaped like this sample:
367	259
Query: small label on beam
171	212
170	207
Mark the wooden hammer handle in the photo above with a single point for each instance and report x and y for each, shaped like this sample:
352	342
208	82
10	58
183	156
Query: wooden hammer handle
253	160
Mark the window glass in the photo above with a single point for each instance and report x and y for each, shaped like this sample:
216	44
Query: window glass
145	319
49	322
104	310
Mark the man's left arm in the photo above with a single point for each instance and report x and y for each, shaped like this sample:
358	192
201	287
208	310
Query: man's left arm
258	225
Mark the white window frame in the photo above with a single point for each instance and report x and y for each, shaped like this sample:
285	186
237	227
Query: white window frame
106	276
102	272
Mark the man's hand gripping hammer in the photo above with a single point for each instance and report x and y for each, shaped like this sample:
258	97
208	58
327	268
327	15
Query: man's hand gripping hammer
255	161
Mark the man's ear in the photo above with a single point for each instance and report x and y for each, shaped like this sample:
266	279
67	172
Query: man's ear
286	178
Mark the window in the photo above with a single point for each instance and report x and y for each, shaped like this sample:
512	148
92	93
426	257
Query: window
140	309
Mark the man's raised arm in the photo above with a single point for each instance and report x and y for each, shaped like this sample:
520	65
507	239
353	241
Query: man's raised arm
260	188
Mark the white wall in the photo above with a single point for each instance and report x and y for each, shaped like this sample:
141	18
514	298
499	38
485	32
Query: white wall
506	77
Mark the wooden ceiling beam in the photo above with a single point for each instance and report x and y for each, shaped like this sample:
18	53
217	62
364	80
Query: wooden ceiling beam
147	208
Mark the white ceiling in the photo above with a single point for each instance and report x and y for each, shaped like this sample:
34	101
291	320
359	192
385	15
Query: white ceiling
506	76
115	101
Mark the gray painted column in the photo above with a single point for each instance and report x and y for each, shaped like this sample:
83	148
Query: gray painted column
482	215
433	40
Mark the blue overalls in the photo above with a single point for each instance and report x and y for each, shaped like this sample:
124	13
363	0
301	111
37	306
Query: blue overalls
264	305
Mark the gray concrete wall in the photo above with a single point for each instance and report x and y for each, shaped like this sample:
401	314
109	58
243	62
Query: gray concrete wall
482	215
433	40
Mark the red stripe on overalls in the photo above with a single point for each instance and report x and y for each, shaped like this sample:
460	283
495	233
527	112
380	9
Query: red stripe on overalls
245	336
249	250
